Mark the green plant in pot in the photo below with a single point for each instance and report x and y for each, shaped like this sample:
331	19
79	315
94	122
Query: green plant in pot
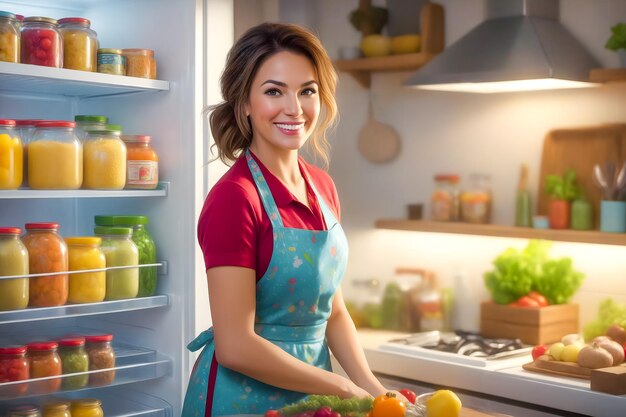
370	21
617	42
562	190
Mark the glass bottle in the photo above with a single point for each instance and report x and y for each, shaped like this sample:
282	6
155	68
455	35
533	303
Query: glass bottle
23	411
104	157
101	356
84	252
445	198
430	305
140	63
87	407
142	165
476	200
44	361
11	156
9	38
86	122
80	44
120	250
57	409
14	367
41	42
74	360
13	261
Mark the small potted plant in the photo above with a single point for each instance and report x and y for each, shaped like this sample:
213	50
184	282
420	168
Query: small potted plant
562	190
617	42
370	21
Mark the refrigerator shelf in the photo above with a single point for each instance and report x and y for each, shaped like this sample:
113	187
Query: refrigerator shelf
74	310
24	193
82	271
25	78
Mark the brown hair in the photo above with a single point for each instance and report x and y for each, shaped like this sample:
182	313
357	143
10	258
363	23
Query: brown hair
230	127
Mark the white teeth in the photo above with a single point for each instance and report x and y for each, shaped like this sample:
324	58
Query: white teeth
289	127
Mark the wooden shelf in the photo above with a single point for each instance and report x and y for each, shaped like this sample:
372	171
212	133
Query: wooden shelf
503	231
607	75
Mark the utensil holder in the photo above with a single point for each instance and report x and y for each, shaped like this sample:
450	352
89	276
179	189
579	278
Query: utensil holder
613	216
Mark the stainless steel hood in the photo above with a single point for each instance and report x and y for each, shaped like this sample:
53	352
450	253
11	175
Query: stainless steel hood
520	46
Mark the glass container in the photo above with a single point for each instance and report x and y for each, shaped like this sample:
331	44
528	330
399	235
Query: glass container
55	156
101	356
140	63
445	198
120	250
104	157
476	200
13	261
14	367
11	156
142	163
41	42
111	61
23	411
57	409
87	407
80	44
26	130
74	359
86	122
9	38
84	252
44	361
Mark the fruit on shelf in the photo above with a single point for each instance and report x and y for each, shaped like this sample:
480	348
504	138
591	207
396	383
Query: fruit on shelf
538	351
556	349
375	45
570	353
405	44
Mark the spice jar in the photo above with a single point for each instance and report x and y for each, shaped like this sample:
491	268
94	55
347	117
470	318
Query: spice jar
476	200
57	409
55	156
140	63
14	367
23	411
445	198
120	250
87	407
80	44
44	361
41	42
74	360
86	122
85	253
142	163
13	261
104	157
101	356
47	253
11	156
111	61
9	38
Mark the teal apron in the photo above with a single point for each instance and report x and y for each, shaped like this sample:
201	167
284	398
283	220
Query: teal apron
293	304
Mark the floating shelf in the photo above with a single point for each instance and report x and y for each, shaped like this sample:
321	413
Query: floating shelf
26	193
503	231
607	75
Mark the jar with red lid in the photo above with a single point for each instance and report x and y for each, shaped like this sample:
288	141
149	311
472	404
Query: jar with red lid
41	42
44	361
13	261
445	198
55	157
101	356
47	253
25	130
80	44
142	163
11	156
9	38
14	367
74	360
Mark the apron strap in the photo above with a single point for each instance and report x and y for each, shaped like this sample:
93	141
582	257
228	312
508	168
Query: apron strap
264	191
329	216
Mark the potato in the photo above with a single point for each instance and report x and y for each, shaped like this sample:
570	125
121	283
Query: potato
617	333
594	357
572	338
615	349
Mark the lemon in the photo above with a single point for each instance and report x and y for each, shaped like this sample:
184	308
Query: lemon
405	44
443	403
375	45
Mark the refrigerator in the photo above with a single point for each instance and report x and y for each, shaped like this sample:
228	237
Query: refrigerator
190	39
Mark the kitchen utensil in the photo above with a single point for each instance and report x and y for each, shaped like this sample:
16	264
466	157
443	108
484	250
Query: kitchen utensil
609	176
378	143
620	181
600	181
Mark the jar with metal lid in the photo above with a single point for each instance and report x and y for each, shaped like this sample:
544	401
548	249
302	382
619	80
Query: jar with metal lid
111	61
84	253
101	356
41	42
120	250
47	253
142	163
26	130
86	122
140	63
80	44
23	411
145	246
87	407
56	409
13	261
14	367
9	38
44	361
445	198
55	156
11	156
74	360
104	158
476	200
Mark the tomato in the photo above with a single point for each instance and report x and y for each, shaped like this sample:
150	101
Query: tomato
388	406
538	351
272	413
409	395
526	301
540	299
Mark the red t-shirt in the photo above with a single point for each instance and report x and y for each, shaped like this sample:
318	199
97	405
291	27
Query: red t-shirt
235	230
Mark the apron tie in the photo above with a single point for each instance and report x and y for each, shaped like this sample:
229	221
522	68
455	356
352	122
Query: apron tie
203	339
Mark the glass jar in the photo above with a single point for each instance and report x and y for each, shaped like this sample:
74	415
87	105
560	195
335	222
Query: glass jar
87	407
476	200
55	157
26	130
104	156
74	360
57	409
145	246
11	156
101	356
445	198
142	163
140	63
47	252
9	38
80	44
120	250
14	367
85	253
23	411
44	361
41	42
86	122
13	261
111	61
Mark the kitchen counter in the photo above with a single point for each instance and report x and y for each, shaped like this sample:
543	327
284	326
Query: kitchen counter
505	379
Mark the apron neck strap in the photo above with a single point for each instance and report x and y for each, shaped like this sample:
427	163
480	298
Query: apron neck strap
264	191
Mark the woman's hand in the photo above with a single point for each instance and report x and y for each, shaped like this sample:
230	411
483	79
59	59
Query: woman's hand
349	389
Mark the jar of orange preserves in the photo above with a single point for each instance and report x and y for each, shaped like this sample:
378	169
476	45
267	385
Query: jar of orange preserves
11	156
140	63
13	261
44	361
57	409
47	253
84	253
80	44
87	407
9	38
14	367
142	163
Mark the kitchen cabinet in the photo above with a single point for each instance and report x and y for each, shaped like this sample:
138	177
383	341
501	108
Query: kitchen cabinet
607	75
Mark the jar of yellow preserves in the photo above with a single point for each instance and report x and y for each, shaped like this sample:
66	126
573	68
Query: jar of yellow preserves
120	250
104	156
85	253
11	156
56	409
25	130
55	157
9	38
87	407
13	261
80	44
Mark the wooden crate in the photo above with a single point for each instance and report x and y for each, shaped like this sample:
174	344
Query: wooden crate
532	325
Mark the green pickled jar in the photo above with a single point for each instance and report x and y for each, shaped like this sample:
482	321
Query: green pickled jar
119	250
145	246
74	359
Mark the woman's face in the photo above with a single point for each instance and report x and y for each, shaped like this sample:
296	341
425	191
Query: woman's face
284	102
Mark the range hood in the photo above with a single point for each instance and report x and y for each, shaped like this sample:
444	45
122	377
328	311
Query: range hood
521	46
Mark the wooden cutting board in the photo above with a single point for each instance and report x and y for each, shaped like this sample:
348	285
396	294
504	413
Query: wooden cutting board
548	366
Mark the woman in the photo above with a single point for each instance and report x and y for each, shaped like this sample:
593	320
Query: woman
274	250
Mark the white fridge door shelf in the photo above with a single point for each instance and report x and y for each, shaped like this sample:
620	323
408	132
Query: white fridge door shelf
24	193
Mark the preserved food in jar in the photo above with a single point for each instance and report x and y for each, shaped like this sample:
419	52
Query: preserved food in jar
14	367
140	63
55	157
41	42
47	252
104	158
120	250
74	360
87	407
445	198
111	61
23	411
44	361
142	163
85	253
9	38
145	246
26	129
80	44
101	356
85	122
11	156
476	201
13	261
57	409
